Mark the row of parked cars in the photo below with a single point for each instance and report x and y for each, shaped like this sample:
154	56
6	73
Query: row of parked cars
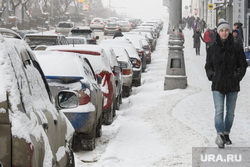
55	98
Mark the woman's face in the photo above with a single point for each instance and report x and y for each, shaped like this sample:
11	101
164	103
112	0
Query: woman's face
224	32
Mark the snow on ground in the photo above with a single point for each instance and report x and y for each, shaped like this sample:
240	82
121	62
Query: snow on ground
159	128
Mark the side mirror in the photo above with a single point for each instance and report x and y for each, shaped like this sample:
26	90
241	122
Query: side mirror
97	37
117	69
99	79
67	99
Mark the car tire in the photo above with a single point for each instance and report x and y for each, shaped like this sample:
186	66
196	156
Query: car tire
117	103
137	82
108	115
71	159
99	127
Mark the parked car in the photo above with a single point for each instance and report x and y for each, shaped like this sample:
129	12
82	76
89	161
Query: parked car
22	33
84	32
64	27
124	26
151	36
117	73
147	49
111	28
97	23
127	69
77	40
33	131
152	25
133	55
100	63
71	71
37	40
135	39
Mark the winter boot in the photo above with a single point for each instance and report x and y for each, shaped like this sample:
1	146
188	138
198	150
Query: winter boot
228	141
220	140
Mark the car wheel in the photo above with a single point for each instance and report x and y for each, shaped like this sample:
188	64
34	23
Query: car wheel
120	99
126	91
108	115
71	159
117	103
99	127
137	82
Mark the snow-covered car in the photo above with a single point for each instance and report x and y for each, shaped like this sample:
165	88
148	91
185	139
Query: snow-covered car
33	131
37	40
135	39
150	35
147	49
64	27
111	28
117	73
127	69
97	23
100	63
71	71
133	55
84	32
124	26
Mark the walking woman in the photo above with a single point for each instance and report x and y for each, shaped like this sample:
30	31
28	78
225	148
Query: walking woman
197	42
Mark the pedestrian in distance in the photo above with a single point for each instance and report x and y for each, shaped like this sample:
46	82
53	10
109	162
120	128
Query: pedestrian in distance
236	37
207	37
238	26
197	42
213	35
225	67
118	34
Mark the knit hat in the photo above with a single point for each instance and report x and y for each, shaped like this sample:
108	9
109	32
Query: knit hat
223	24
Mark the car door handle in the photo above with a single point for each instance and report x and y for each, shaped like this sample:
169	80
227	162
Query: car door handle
55	122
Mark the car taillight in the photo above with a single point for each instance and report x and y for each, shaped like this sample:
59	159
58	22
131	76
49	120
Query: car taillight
105	27
102	23
83	97
126	72
91	23
141	53
149	48
136	63
128	26
116	28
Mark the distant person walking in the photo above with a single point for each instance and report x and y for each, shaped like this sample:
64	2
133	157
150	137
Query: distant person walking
237	37
207	37
118	34
225	67
197	42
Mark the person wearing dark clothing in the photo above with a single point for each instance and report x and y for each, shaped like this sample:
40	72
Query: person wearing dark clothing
237	38
238	26
225	67
197	42
213	35
118	34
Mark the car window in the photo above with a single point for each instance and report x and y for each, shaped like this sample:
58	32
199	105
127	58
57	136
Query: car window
88	70
65	25
40	40
64	41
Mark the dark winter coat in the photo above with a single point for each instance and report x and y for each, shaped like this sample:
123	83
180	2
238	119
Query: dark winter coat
118	34
225	65
197	36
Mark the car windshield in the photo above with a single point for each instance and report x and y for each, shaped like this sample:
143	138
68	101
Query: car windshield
75	41
39	40
65	25
85	33
112	25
